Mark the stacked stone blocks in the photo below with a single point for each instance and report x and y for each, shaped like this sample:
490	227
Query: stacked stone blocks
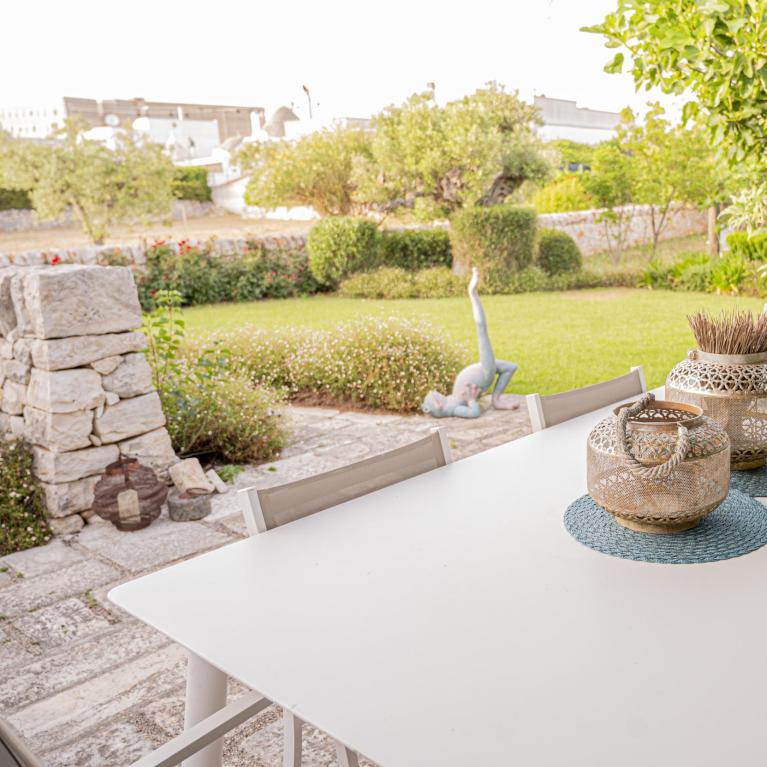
75	382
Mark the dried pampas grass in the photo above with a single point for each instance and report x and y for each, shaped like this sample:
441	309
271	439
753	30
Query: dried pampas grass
732	332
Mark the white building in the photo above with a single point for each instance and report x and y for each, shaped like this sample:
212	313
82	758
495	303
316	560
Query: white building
35	122
564	119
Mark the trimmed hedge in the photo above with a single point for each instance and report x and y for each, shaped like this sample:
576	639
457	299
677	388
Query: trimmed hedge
415	248
753	248
191	184
339	246
14	199
558	252
496	239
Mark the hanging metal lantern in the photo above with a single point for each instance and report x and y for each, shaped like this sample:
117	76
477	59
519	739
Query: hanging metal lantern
658	467
129	495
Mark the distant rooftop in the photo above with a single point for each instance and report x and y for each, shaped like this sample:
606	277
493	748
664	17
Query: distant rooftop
566	113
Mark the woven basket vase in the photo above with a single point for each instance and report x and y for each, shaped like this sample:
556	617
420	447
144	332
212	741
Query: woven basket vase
731	389
659	467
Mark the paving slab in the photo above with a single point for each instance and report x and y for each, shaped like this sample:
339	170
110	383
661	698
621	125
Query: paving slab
13	655
62	623
39	678
32	593
162	542
65	716
42	559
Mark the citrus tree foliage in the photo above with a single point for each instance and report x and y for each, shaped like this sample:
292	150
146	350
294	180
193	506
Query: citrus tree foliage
669	164
102	186
438	159
715	49
315	170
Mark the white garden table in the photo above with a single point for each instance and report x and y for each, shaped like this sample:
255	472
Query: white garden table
450	620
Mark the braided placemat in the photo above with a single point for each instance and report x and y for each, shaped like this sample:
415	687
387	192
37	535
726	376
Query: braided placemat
738	526
753	483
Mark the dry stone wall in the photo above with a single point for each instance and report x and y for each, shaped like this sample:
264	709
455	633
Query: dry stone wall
75	383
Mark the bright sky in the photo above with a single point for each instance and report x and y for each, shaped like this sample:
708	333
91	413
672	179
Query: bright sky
355	57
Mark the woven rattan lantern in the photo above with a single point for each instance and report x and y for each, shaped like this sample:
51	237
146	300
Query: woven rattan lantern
731	389
129	495
658	467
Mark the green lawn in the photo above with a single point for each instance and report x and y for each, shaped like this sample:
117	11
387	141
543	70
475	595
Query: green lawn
559	340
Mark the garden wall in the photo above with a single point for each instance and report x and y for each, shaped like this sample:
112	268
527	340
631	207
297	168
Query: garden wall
27	221
75	383
588	231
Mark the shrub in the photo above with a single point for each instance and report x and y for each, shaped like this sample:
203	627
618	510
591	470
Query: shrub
565	193
14	199
558	252
499	238
437	282
730	274
22	518
415	248
202	278
191	184
340	246
656	275
753	248
692	272
388	364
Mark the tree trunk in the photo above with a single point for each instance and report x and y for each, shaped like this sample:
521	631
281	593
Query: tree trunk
713	235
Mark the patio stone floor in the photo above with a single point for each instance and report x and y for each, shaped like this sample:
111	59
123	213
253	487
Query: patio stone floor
87	685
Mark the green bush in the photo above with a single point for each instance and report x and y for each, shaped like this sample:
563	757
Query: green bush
752	248
656	275
339	246
565	193
692	272
415	248
14	199
202	278
499	238
558	252
730	273
191	184
437	282
386	363
22	516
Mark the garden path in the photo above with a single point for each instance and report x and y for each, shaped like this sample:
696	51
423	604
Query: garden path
87	685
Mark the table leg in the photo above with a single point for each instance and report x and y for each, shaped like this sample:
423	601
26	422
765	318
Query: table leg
205	694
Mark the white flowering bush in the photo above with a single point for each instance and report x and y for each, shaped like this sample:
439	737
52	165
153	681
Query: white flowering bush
378	363
22	518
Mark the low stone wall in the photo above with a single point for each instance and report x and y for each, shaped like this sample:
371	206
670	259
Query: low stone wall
75	383
589	232
27	221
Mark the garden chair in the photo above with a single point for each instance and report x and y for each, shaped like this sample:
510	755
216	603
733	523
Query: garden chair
13	751
552	409
269	508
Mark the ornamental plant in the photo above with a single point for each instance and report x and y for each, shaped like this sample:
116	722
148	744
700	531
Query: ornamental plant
340	246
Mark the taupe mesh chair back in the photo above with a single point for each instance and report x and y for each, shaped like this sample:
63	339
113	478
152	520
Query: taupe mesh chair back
271	507
552	409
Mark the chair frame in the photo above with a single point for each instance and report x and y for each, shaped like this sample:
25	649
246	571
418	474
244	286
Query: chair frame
536	403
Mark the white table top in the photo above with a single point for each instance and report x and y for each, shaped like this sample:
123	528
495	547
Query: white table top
451	620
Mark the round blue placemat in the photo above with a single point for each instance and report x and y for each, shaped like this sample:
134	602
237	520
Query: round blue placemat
738	526
753	483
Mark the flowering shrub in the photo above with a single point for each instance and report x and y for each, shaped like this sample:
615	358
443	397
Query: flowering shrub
203	278
388	364
22	519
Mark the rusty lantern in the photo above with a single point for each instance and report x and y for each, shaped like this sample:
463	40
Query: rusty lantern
129	495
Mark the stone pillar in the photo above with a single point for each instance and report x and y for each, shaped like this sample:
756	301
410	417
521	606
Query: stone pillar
75	383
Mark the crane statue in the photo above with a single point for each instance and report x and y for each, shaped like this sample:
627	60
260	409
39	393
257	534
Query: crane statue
473	381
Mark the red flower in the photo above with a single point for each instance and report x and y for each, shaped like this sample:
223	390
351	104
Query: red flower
55	260
158	243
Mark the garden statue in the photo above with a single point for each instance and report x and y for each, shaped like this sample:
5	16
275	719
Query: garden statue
475	379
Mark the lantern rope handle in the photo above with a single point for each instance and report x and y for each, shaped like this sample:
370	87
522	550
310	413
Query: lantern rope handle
637	468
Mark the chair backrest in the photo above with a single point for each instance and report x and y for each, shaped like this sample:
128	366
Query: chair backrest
13	751
274	506
552	409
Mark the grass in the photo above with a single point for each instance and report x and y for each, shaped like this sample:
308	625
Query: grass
559	340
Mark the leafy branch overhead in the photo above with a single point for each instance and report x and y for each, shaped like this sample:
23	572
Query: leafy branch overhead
715	50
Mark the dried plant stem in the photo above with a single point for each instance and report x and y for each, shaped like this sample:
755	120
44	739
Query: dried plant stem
732	332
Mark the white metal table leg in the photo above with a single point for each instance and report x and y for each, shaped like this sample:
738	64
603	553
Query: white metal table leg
205	694
346	757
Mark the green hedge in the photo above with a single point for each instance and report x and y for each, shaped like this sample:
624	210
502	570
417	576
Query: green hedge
14	199
558	253
191	184
415	248
339	246
496	239
753	248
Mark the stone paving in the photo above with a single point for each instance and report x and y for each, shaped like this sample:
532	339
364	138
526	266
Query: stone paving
88	686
